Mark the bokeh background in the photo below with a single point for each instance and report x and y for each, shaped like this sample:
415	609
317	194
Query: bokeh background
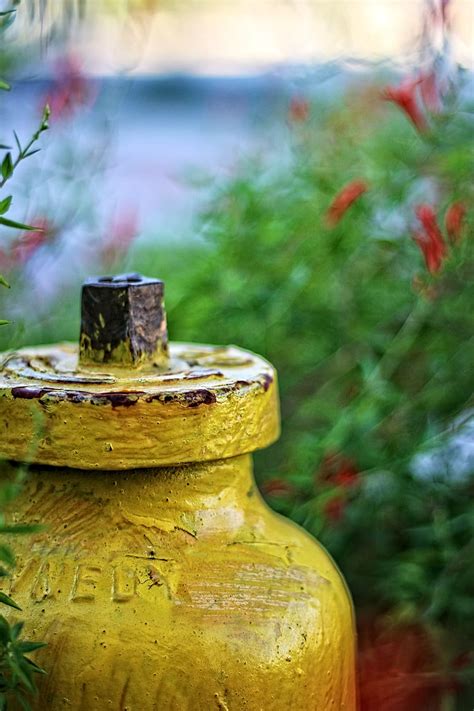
300	174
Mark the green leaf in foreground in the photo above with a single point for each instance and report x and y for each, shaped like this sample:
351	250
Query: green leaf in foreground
5	204
17	225
6	599
7	166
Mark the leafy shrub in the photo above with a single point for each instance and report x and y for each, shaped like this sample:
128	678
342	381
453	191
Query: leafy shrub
349	265
17	670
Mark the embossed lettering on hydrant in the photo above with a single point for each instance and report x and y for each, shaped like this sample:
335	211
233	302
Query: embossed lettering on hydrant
124	584
83	582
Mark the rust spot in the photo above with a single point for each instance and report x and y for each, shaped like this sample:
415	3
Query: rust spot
200	397
117	399
27	392
194	398
267	381
75	396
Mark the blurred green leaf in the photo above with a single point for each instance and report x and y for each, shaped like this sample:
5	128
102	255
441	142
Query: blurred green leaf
7	600
7	166
17	225
5	204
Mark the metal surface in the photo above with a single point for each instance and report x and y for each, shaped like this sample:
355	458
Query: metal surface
123	322
212	402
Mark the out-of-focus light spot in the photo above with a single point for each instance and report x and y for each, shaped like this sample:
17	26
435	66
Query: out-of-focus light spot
244	36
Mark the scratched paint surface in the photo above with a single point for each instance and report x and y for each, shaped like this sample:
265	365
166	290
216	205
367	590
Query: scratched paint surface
178	589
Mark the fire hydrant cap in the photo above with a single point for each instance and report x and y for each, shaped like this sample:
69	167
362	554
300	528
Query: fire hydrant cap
126	398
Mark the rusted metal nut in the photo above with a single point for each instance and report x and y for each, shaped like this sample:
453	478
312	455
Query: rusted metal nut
123	321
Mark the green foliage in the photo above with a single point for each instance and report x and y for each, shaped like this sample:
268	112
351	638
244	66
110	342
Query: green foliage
8	164
17	670
374	354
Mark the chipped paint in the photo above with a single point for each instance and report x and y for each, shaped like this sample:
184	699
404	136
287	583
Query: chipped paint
188	412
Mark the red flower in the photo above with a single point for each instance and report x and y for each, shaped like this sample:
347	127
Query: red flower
338	471
71	89
346	476
27	243
404	96
277	487
344	199
334	508
399	668
433	263
454	220
430	240
299	110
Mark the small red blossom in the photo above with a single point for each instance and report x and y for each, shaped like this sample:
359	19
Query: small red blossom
347	475
405	97
299	110
277	487
454	221
432	259
344	199
334	509
70	89
29	242
338	471
430	240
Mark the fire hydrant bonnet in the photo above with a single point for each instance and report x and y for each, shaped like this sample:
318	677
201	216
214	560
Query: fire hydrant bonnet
126	398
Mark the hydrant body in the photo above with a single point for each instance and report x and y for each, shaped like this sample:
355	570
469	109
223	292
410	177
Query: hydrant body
160	579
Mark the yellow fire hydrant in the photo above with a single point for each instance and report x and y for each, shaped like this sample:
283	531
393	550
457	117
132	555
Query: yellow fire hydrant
160	580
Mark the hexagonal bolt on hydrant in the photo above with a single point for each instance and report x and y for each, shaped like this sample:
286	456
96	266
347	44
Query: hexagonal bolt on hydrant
123	322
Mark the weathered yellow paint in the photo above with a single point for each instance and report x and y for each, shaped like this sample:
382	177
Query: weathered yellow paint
161	581
177	588
211	403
